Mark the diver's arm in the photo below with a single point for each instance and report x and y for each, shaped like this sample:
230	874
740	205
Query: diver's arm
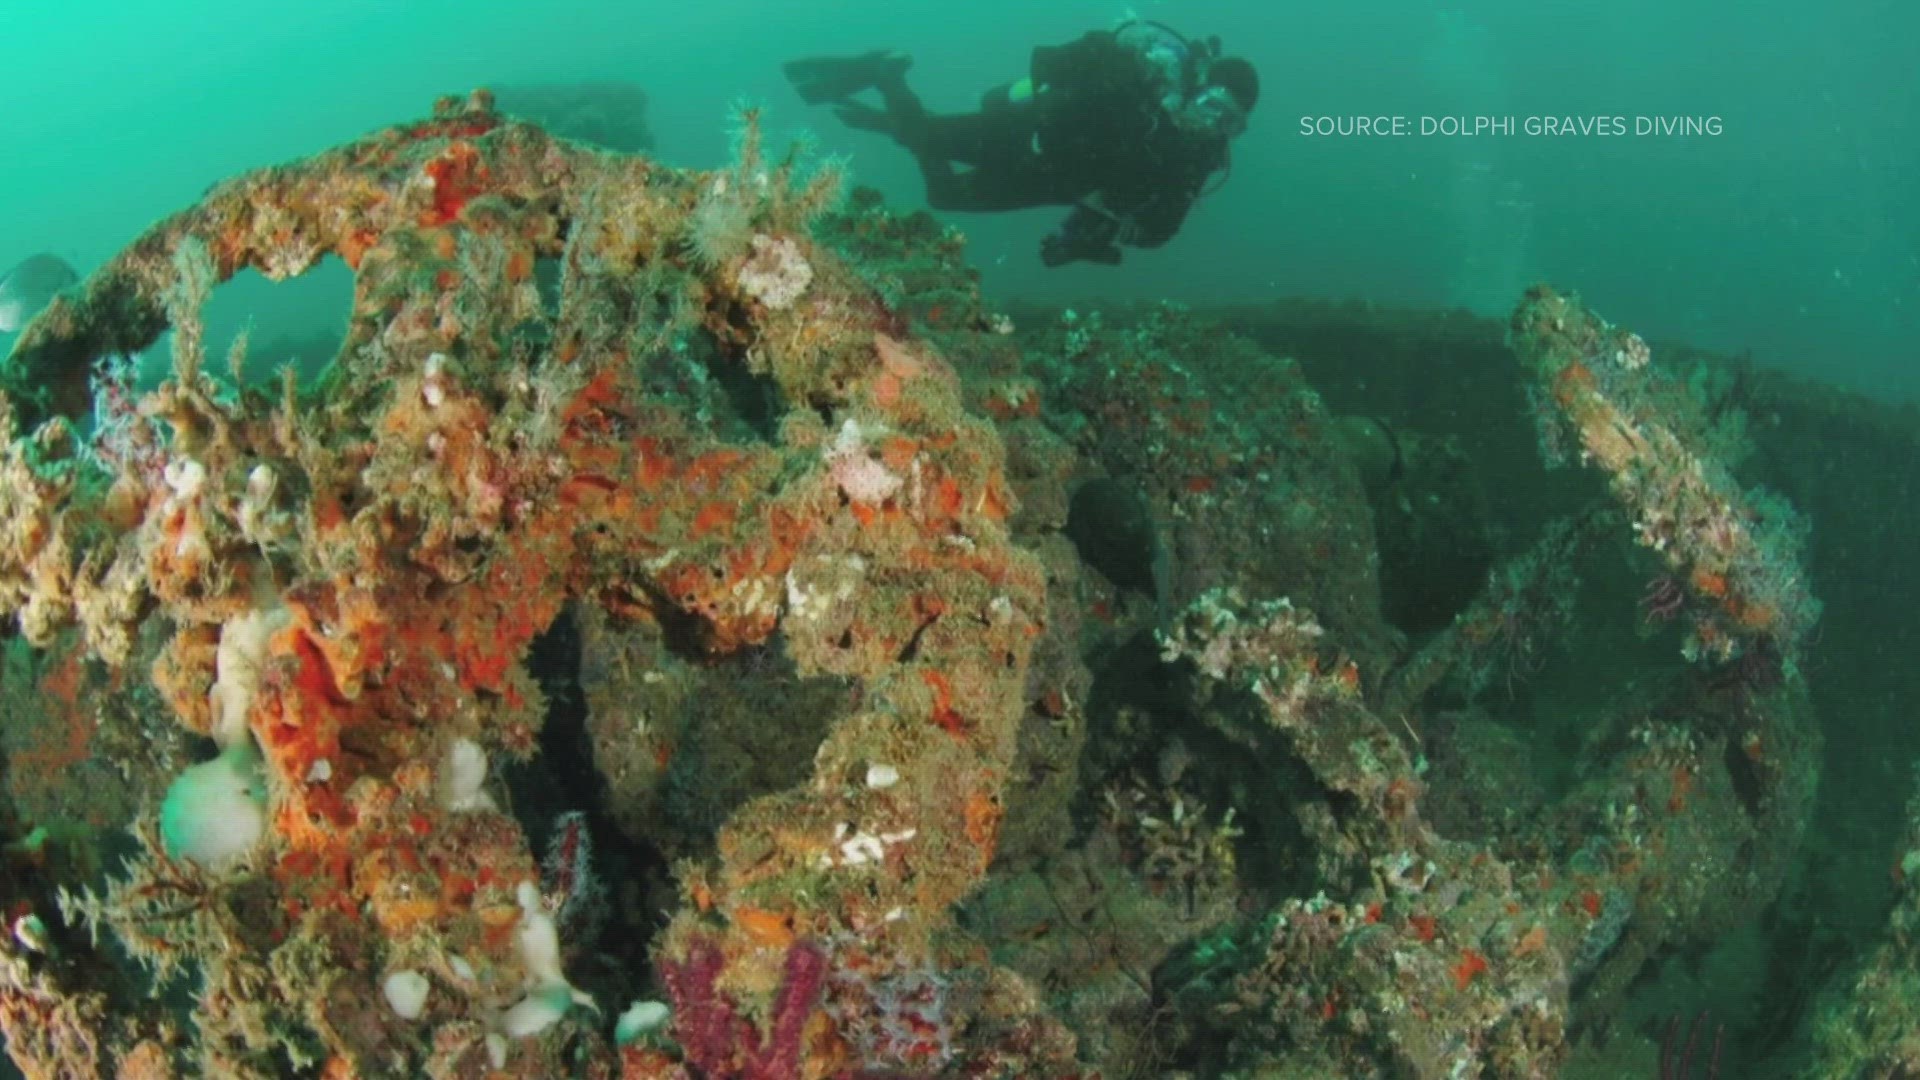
1087	235
1097	227
1156	212
1156	221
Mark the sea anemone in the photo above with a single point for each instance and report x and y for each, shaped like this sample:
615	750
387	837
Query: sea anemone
721	226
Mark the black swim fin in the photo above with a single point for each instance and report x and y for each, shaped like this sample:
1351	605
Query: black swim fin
832	78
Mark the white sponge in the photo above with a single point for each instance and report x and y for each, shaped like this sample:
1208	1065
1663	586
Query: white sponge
549	995
216	811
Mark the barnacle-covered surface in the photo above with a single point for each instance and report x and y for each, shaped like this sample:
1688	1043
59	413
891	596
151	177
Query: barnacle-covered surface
943	693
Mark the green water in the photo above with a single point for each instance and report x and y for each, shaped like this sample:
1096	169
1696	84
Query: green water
1791	234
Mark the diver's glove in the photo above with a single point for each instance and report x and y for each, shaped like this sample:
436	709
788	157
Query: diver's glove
1086	236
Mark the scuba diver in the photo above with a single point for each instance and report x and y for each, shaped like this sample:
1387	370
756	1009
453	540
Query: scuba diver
1127	126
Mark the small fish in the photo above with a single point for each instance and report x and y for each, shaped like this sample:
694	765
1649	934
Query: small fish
30	286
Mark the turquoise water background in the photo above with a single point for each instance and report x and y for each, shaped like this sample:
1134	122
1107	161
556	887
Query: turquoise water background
1795	233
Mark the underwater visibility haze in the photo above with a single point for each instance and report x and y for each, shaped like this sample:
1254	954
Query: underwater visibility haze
857	540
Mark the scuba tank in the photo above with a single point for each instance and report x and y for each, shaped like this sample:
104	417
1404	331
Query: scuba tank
1168	55
1180	69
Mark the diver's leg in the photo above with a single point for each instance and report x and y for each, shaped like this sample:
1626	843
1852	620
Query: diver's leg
994	144
901	116
1003	169
969	138
993	187
833	78
949	188
997	136
902	104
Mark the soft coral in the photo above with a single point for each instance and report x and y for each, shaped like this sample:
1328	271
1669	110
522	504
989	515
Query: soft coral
722	1044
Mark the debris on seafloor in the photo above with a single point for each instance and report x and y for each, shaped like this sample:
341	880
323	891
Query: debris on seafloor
950	786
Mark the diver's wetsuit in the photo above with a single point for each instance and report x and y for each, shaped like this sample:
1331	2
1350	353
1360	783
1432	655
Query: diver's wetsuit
1093	135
